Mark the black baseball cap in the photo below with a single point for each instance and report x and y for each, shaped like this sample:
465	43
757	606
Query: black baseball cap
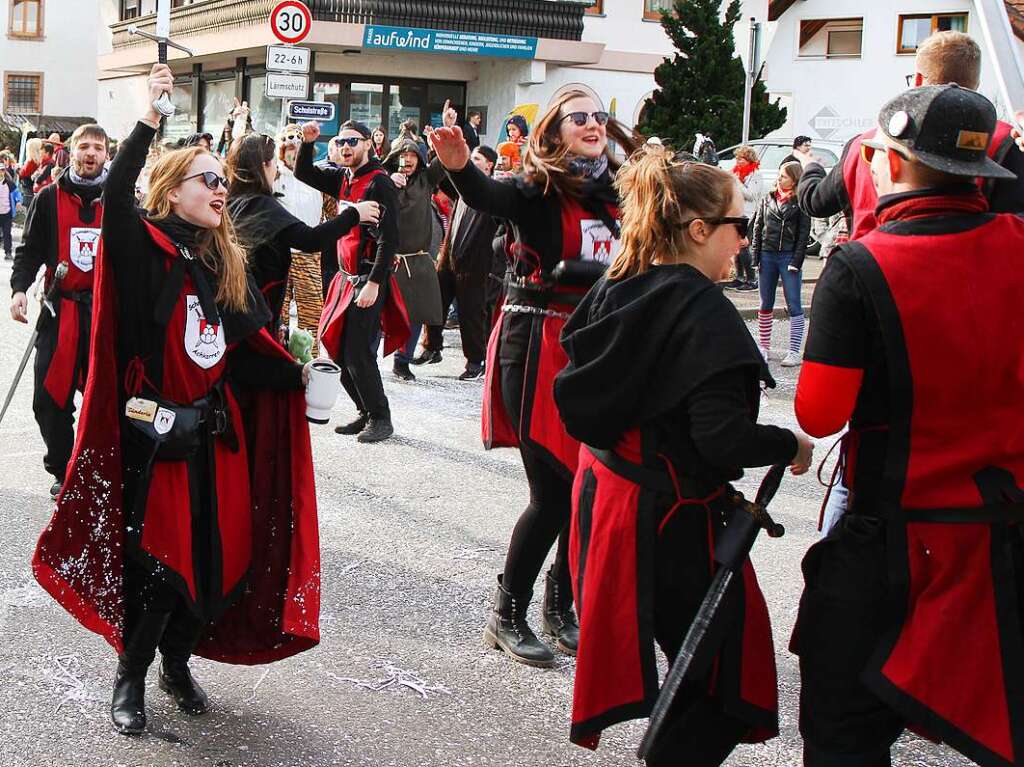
357	126
194	138
945	127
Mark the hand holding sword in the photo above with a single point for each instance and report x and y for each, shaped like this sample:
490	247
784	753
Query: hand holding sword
162	105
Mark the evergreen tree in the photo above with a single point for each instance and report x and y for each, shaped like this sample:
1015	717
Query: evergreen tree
700	90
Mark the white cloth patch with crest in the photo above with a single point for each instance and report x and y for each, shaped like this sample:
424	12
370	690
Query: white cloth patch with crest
598	243
164	420
84	243
204	340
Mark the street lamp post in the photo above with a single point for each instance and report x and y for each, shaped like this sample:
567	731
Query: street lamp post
753	53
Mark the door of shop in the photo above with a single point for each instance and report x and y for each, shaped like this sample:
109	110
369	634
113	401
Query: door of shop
386	102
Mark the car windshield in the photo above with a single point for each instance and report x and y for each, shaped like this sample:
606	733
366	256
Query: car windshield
773	156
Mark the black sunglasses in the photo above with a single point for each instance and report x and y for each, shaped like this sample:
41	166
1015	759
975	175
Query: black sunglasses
351	141
210	178
579	119
742	223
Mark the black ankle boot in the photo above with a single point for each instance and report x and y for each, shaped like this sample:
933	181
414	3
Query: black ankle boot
401	370
180	639
507	630
559	618
377	430
353	427
128	705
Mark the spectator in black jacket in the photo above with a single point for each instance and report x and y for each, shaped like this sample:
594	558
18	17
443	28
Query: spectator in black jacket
471	130
778	241
463	268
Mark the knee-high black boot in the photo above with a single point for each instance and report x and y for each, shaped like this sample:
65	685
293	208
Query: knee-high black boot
128	706
182	634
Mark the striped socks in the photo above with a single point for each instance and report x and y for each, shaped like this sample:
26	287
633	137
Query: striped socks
796	334
764	328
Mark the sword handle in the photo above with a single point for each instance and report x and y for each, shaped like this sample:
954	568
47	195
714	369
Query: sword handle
163	104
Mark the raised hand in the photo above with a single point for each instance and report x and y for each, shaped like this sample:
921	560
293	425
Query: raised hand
450	147
310	132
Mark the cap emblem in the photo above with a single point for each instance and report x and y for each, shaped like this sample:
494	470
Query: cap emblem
973	140
898	124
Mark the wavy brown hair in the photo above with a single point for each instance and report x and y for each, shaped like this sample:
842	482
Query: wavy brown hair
218	249
657	194
244	165
546	160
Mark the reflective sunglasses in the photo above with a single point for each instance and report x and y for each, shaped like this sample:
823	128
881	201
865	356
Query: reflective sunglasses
351	141
868	149
210	178
579	119
742	223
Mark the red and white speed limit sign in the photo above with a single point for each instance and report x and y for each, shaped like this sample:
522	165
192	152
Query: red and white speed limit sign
291	21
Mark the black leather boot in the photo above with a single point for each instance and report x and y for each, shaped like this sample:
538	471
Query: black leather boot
128	706
401	370
353	427
180	638
377	430
507	630
559	617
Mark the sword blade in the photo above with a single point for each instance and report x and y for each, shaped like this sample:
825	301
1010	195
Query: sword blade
770	485
692	645
19	372
163	18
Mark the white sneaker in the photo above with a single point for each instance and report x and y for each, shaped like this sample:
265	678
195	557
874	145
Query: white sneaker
791	360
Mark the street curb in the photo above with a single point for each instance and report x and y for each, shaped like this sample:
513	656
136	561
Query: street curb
779	313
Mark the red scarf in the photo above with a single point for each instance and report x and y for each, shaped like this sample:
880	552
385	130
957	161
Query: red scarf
782	195
743	172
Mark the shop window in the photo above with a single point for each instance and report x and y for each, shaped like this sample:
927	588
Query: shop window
915	29
831	38
266	112
597	9
218	101
26	18
182	123
438	94
406	101
23	92
654	9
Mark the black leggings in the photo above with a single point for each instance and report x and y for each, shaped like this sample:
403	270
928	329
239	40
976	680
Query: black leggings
546	518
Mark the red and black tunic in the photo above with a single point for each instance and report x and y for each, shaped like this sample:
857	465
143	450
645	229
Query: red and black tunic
159	335
848	188
915	341
662	386
548	229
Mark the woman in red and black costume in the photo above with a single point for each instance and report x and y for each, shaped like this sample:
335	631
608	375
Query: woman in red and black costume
662	388
911	610
563	213
155	542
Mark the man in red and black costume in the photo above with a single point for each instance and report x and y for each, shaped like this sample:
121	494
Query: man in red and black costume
910	616
945	57
363	297
63	226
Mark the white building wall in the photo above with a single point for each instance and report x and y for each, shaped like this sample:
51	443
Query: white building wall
66	55
835	99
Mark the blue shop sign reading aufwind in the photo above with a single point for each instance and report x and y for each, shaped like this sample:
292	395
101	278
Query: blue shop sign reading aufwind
447	41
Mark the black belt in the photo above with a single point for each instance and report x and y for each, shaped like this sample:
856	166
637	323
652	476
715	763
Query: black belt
645	476
78	296
540	297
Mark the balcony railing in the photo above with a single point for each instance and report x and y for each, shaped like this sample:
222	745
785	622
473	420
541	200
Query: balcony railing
557	19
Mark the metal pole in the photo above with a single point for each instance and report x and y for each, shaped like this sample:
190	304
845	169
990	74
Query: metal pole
1002	47
751	73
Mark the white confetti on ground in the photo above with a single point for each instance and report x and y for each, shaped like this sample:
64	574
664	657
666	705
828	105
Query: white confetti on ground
393	677
65	673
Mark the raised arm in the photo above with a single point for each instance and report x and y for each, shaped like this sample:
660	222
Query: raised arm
480	192
325	180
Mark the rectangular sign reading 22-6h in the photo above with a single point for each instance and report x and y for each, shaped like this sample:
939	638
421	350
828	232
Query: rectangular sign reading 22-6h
447	41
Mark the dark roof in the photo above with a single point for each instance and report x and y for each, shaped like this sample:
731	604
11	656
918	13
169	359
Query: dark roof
1014	9
43	123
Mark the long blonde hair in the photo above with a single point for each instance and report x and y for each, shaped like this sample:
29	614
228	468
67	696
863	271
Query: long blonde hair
546	160
657	195
223	256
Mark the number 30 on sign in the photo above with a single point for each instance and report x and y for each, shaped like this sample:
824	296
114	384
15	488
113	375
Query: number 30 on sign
291	21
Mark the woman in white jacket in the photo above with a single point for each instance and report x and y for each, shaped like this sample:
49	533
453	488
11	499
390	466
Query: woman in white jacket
747	172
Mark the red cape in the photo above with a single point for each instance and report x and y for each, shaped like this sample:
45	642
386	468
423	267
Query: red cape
79	559
394	318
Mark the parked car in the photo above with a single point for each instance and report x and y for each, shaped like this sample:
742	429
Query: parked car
771	153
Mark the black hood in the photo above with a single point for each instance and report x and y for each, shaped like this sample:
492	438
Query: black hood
637	347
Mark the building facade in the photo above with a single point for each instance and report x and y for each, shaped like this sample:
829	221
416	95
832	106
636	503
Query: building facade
47	51
372	59
833	63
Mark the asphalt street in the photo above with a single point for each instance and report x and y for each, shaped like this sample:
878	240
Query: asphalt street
413	532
